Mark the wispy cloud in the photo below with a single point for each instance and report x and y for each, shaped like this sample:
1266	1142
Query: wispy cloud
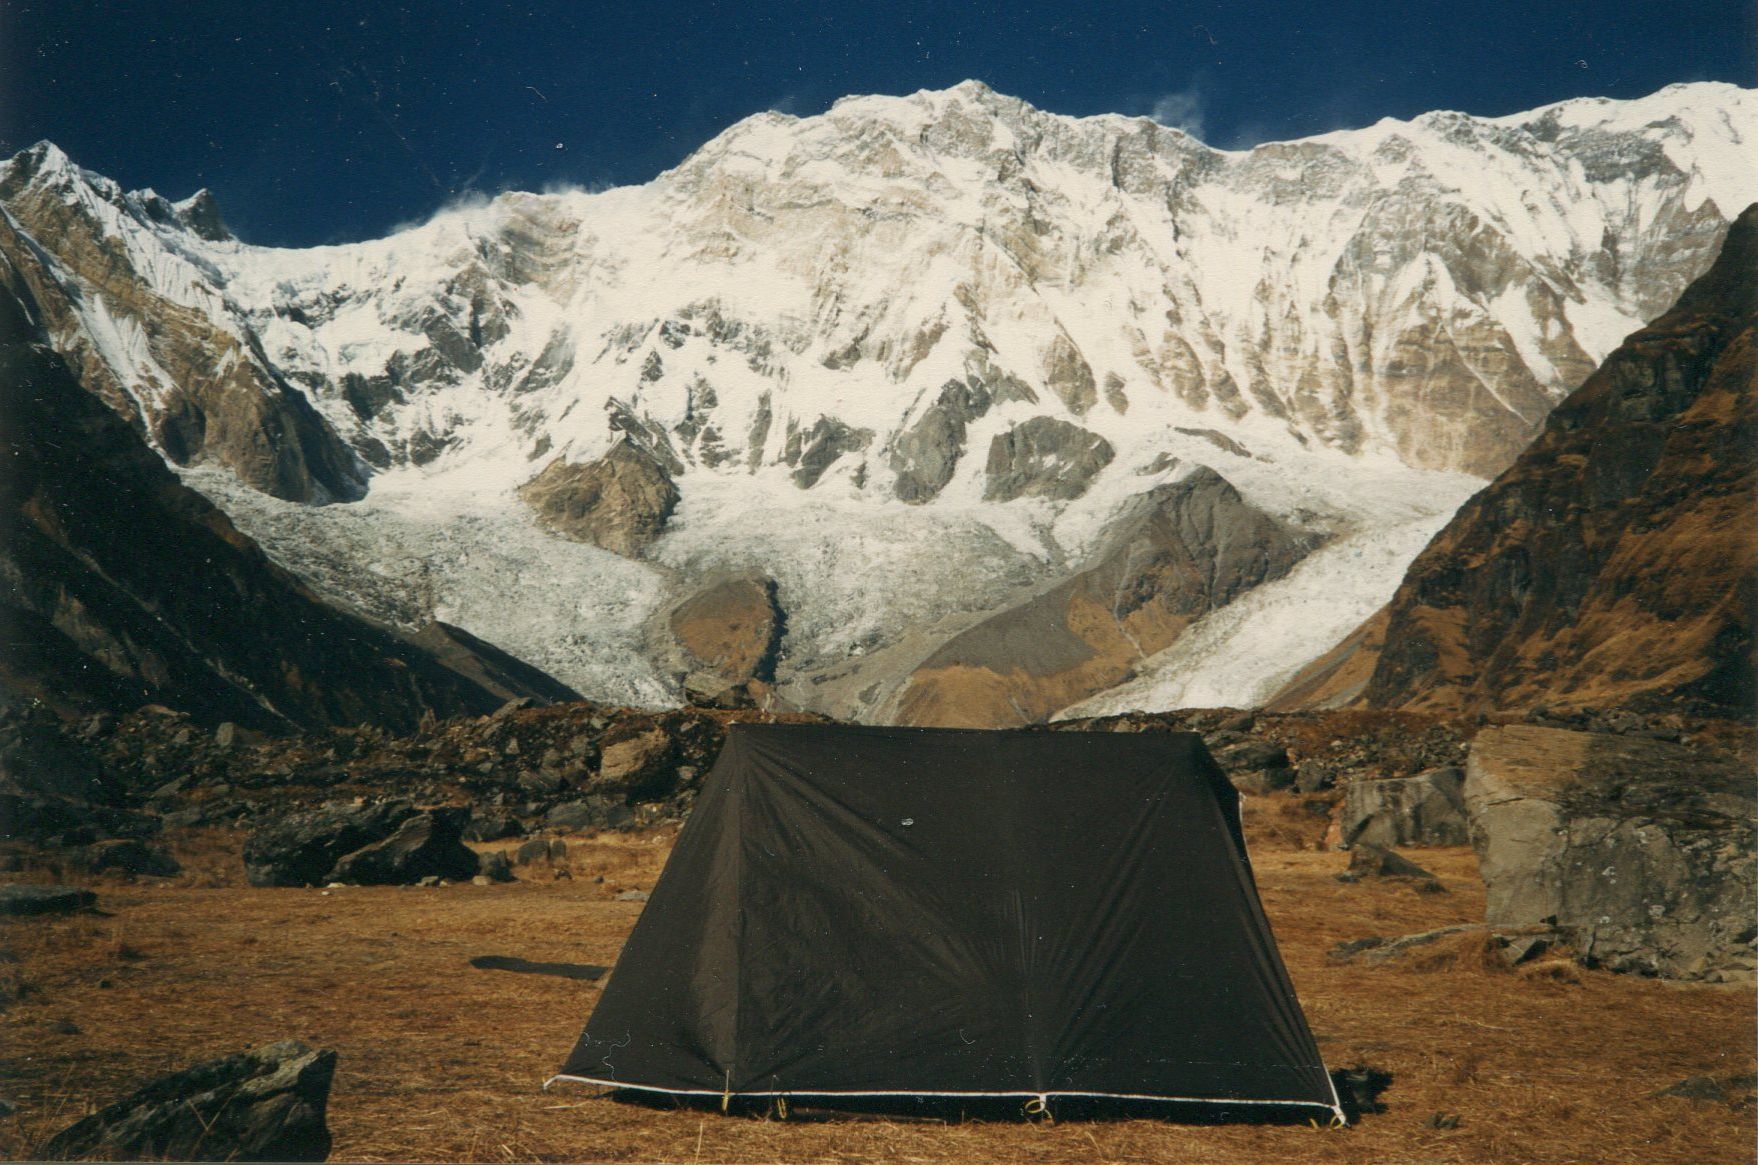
1184	109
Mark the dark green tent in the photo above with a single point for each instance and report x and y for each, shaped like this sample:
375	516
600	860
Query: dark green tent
869	912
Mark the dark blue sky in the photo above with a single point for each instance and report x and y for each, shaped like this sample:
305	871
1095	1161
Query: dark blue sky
319	122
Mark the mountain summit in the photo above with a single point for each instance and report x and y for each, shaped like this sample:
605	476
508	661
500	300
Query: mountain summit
916	360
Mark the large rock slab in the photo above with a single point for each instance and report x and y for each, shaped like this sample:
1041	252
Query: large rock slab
427	845
302	848
1641	852
1428	809
267	1104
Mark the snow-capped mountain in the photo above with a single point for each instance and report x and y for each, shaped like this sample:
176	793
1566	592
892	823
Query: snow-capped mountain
918	360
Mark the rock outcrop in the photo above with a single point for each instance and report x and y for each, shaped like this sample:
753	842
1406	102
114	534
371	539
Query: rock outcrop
1427	809
1196	545
426	845
1642	853
731	629
267	1104
301	849
926	454
1044	458
1616	561
120	587
198	386
1257	768
55	789
389	843
620	502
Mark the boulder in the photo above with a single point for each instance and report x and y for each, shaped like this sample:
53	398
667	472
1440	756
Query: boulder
1640	852
427	845
497	868
1251	756
542	782
1256	767
1371	861
535	850
1314	777
267	1104
492	827
1262	782
301	849
130	856
1376	949
1428	809
30	898
572	815
636	765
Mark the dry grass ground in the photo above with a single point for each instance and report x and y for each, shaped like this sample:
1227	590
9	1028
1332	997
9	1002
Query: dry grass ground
443	1062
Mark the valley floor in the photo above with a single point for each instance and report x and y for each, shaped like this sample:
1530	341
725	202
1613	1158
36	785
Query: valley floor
441	1062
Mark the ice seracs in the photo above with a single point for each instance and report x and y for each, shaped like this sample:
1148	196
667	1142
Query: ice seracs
910	357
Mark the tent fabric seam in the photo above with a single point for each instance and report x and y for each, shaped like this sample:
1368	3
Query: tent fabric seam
1028	1094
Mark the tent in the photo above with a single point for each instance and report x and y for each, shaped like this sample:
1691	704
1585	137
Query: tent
863	912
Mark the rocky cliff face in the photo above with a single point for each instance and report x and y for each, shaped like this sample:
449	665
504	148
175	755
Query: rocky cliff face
1615	561
1193	547
121	587
146	328
620	501
946	320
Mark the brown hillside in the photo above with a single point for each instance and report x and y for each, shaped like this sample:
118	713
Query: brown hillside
1614	561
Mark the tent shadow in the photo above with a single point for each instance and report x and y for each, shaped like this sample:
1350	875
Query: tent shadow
951	1110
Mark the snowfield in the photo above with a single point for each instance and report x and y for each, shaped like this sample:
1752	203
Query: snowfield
1356	330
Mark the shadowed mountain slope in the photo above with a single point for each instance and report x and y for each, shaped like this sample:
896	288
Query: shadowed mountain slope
119	586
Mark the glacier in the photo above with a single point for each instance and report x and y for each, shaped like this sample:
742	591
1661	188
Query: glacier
1355	329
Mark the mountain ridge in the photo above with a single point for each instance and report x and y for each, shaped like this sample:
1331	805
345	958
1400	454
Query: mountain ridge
1614	561
840	333
119	586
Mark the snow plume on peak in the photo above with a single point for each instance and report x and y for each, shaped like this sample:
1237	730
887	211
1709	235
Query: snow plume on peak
1182	110
945	319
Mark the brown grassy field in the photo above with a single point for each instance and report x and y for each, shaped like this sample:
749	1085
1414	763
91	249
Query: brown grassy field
443	1062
